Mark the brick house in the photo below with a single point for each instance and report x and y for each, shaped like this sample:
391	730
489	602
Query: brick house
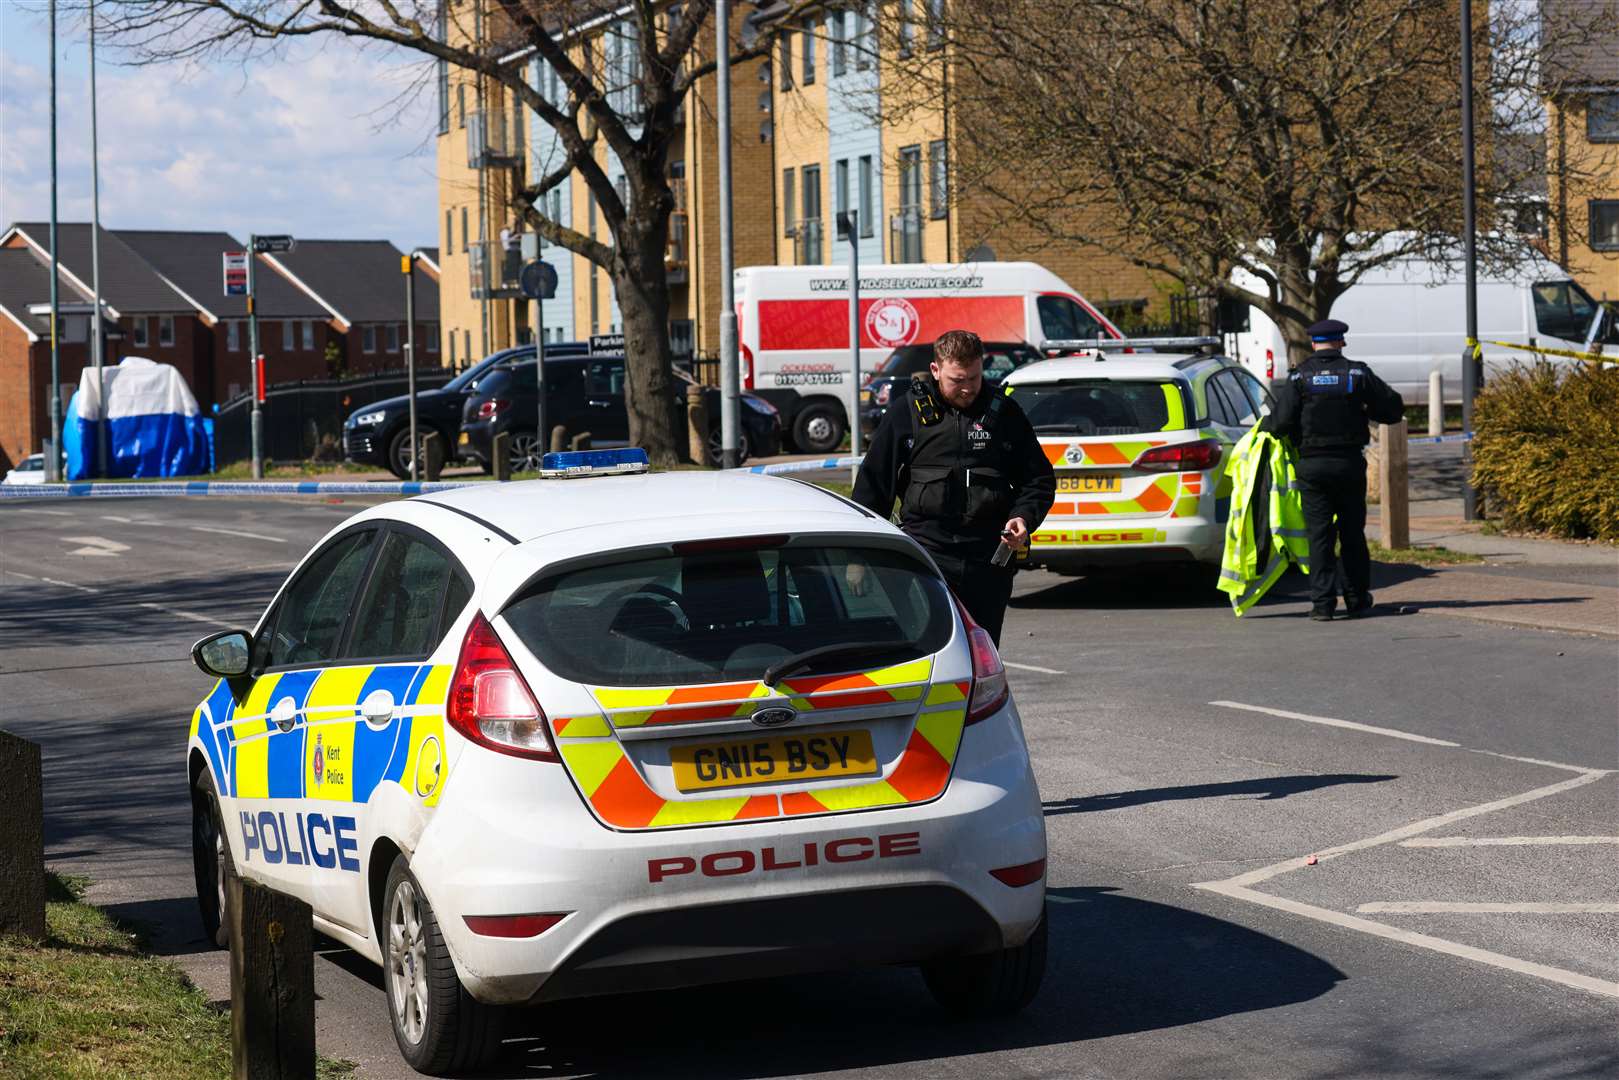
359	283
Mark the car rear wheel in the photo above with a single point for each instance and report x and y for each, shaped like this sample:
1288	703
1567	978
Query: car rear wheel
818	428
210	860
440	1028
399	450
523	452
990	984
716	448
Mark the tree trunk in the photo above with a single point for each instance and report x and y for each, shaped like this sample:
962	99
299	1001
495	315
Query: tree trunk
643	301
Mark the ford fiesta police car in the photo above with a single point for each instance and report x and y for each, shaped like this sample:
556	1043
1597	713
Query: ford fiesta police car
1139	443
579	736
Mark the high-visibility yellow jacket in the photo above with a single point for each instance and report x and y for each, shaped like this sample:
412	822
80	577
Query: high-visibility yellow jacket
1266	529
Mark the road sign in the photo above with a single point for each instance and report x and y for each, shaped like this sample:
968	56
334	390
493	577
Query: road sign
235	273
539	280
273	245
606	344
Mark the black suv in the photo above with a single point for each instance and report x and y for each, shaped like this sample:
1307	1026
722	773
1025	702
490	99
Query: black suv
1001	358
376	434
585	394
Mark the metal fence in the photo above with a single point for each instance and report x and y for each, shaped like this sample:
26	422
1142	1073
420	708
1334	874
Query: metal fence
303	420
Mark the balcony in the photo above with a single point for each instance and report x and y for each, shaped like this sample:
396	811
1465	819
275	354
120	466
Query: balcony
492	141
495	270
677	255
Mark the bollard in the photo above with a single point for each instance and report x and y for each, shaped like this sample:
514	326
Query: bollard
432	455
22	839
559	439
1393	486
272	984
1436	403
580	441
500	462
697	424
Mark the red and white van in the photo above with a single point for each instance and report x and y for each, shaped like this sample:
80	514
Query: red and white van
793	327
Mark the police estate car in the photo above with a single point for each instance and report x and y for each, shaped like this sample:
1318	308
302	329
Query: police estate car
577	736
1139	444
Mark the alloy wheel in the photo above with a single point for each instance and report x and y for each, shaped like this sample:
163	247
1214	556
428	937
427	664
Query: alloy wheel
407	958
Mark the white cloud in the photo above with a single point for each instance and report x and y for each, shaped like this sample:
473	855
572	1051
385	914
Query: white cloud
305	144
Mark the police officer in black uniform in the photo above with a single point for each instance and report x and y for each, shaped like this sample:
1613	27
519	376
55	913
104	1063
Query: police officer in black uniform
1325	409
968	471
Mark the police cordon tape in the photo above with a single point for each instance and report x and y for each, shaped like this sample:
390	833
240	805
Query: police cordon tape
1590	358
817	465
1466	436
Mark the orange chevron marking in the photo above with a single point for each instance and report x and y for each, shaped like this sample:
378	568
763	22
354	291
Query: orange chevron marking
921	773
624	799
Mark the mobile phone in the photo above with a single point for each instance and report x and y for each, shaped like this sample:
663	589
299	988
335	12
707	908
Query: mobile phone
1003	554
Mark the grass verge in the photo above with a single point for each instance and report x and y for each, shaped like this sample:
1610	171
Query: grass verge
89	1004
1422	556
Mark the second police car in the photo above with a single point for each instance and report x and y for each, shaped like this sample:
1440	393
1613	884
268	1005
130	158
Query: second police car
582	736
1139	443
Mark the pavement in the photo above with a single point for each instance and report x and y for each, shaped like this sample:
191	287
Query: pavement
1455	778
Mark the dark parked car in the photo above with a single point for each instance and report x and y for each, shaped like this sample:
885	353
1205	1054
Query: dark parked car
585	394
376	434
1001	358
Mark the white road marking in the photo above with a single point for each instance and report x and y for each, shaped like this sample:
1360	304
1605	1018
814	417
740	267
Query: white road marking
36	510
1033	667
236	532
1330	722
96	545
179	614
115	517
68	585
25	577
1494	841
1063	899
1450	907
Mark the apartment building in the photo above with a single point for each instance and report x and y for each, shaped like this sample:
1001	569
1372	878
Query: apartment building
1582	144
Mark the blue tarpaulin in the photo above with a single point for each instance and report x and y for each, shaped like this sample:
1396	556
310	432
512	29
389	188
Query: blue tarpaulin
154	428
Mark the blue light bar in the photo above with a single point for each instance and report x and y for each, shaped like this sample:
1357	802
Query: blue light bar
562	466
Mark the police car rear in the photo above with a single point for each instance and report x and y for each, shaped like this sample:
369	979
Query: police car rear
692	727
1138	443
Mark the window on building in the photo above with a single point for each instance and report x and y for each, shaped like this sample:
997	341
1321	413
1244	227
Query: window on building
432	338
591	197
789	204
466	345
840	43
868	199
138	331
309	335
393	337
938	179
449	232
233	336
840	186
368	339
165	329
809	50
1604	224
1602	118
906	245
461	105
935	10
595	303
288	329
466	245
907	29
75	329
443	97
865	38
809	244
452	348
785	64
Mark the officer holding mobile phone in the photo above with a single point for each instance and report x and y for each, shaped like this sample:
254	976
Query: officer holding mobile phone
970	476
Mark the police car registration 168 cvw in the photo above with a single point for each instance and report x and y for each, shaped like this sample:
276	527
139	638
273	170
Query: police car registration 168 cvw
598	732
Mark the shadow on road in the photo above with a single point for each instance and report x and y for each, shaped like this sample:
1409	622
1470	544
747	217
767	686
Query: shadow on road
1265	787
1125	588
1118	965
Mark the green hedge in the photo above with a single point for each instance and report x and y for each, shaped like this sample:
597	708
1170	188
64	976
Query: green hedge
1546	449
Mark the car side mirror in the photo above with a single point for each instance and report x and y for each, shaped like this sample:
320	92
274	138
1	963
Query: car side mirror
225	655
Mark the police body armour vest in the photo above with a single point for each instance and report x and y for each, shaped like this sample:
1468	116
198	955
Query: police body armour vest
1332	416
955	472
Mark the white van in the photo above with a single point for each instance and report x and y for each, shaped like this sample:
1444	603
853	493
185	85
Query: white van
793	327
1408	318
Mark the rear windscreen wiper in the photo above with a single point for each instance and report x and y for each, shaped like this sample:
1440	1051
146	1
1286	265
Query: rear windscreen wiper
782	668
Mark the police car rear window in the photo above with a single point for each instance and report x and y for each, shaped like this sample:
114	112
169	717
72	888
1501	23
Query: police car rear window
1102	406
721	616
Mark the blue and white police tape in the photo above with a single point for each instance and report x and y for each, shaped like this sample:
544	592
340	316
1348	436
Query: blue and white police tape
817	465
91	489
1466	436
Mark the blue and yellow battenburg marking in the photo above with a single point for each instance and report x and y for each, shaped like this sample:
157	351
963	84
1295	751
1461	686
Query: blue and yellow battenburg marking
332	753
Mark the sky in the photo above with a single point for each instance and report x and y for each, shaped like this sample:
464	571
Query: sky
312	143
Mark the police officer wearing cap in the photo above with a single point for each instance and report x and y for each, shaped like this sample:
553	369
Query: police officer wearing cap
1326	409
968	471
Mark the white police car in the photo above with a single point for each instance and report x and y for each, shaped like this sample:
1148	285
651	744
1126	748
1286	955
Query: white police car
1139	444
573	737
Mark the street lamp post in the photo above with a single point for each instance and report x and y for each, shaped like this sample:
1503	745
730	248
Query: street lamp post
848	225
1472	369
409	266
730	373
103	431
256	428
53	463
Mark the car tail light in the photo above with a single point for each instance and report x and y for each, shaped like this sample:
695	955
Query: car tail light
493	407
1020	875
1181	457
490	703
516	926
1270	363
989	691
730	543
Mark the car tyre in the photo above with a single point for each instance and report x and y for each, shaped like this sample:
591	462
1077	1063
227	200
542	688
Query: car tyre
211	860
990	984
440	1028
818	428
399	449
523	451
716	440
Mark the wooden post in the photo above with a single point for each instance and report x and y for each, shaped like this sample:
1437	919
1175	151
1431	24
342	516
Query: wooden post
22	839
1393	486
432	455
559	439
272	984
697	424
499	456
1436	403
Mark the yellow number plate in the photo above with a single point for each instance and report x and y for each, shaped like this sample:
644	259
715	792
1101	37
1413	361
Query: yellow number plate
464	439
1088	484
773	759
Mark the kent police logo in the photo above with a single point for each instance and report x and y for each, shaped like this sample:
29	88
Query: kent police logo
1075	454
319	762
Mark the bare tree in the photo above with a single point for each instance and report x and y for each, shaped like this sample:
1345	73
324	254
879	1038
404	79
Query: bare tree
1302	143
629	110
